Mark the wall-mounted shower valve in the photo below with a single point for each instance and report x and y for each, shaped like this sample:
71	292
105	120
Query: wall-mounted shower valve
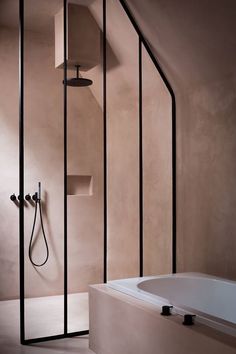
28	197
35	197
13	197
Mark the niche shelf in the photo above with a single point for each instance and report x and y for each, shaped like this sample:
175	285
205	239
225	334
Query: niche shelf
79	185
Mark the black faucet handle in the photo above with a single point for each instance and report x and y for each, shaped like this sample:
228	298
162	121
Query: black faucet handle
35	197
13	197
28	197
188	320
166	310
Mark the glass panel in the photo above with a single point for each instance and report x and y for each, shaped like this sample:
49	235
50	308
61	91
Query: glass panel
123	144
85	161
157	178
9	125
43	163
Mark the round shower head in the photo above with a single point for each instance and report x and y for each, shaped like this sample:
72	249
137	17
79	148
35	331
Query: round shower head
78	81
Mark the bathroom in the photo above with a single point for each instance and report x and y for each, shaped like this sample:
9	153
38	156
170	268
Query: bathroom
136	169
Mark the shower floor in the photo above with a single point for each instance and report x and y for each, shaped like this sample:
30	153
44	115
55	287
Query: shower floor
44	317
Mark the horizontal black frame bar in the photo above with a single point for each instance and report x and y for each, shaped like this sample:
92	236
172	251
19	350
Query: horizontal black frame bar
55	337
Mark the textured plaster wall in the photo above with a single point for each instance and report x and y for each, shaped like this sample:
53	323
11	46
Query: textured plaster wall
195	44
157	188
44	162
207	242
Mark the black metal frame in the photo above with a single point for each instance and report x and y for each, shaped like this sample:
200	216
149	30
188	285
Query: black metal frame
104	58
141	43
140	158
21	171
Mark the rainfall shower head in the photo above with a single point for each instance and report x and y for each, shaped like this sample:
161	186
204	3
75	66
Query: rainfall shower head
78	81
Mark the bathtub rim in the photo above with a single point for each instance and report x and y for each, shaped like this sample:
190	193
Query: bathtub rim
217	323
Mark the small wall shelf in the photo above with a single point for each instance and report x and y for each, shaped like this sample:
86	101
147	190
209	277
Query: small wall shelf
79	185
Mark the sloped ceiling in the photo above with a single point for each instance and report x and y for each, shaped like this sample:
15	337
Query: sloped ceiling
194	40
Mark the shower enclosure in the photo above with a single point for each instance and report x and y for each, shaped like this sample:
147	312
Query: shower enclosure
107	163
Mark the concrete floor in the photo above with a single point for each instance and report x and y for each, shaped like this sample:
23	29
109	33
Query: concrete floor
44	316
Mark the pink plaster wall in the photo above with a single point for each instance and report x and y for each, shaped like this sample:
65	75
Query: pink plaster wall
195	43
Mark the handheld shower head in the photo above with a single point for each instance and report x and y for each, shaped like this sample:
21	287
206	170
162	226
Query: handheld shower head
39	191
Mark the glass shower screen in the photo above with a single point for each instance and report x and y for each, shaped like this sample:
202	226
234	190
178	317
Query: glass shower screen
43	162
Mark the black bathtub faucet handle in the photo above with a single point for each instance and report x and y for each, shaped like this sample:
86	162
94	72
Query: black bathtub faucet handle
166	310
188	320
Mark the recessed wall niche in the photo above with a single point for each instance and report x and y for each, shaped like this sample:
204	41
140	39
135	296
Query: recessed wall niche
79	185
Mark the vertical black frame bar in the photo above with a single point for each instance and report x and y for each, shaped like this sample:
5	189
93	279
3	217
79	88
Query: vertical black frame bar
105	136
65	169
173	118
21	171
140	158
174	201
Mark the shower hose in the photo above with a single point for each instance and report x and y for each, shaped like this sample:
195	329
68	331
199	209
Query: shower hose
38	207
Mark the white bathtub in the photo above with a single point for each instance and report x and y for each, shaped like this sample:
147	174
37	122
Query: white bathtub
211	299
